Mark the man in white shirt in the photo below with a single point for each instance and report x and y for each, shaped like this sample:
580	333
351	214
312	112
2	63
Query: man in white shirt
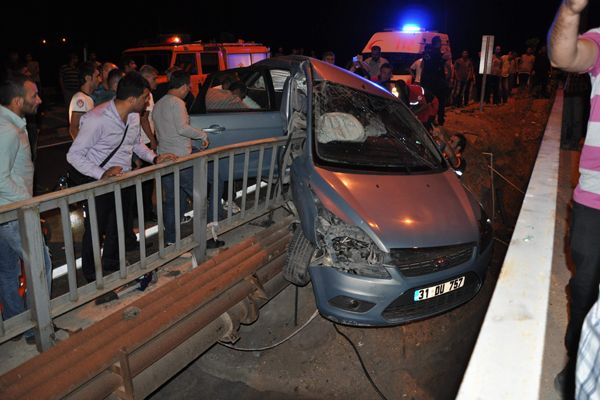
148	135
374	63
82	101
240	90
416	68
175	136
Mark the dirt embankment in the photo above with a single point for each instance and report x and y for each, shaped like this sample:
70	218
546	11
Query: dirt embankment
512	133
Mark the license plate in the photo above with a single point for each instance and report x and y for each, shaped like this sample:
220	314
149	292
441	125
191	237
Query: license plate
438	290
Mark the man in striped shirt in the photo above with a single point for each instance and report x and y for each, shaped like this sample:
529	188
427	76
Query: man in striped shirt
574	53
69	78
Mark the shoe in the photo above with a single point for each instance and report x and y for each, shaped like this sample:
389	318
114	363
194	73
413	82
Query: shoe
235	209
214	244
186	219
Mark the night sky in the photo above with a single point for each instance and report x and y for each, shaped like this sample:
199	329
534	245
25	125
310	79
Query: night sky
343	27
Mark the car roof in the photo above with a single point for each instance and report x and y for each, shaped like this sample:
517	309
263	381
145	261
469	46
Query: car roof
323	71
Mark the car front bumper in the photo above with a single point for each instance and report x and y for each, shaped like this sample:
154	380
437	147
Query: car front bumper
356	300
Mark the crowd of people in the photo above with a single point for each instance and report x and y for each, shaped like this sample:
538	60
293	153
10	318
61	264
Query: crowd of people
458	82
117	125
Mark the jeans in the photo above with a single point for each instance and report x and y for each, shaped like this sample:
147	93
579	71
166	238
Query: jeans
186	190
585	251
11	251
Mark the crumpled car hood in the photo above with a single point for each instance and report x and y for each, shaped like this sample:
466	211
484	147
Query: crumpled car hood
399	211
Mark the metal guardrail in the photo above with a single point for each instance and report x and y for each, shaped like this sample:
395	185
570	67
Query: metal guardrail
507	360
133	351
42	310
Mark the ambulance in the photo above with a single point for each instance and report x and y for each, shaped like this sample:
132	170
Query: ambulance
402	48
197	58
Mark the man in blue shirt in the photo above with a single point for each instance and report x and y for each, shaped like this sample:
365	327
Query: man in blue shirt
18	97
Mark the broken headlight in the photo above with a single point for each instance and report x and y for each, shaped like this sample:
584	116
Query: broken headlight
348	248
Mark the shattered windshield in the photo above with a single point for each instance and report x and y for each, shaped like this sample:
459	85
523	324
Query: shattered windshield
357	130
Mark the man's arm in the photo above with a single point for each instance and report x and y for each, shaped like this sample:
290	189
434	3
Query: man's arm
181	120
566	50
145	122
74	124
9	143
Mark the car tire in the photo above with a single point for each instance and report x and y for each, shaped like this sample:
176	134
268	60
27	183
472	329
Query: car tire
300	252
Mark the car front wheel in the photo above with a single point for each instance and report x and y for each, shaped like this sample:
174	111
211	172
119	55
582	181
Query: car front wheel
299	255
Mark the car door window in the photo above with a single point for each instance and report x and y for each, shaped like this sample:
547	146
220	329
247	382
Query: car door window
243	89
278	77
187	62
257	92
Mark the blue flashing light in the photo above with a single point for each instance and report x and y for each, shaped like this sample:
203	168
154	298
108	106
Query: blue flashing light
411	28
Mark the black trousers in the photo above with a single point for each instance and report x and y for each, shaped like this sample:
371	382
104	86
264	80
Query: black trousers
493	89
107	232
583	286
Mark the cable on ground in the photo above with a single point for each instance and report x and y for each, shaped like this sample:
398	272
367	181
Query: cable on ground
506	179
275	344
362	364
501	241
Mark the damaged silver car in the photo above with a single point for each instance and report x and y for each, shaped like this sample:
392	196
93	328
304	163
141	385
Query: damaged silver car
387	233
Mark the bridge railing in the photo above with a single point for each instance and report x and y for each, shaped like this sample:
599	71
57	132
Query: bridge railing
508	356
264	162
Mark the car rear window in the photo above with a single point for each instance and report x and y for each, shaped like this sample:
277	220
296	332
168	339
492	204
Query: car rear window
210	62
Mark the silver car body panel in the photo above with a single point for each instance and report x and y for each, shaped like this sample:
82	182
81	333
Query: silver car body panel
398	211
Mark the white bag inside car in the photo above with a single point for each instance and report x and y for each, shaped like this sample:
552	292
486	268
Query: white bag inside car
337	126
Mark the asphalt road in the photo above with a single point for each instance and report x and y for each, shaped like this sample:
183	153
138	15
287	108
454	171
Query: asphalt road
50	164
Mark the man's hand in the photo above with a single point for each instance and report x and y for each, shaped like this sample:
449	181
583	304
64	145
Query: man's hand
112	171
205	143
566	51
576	6
165	157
